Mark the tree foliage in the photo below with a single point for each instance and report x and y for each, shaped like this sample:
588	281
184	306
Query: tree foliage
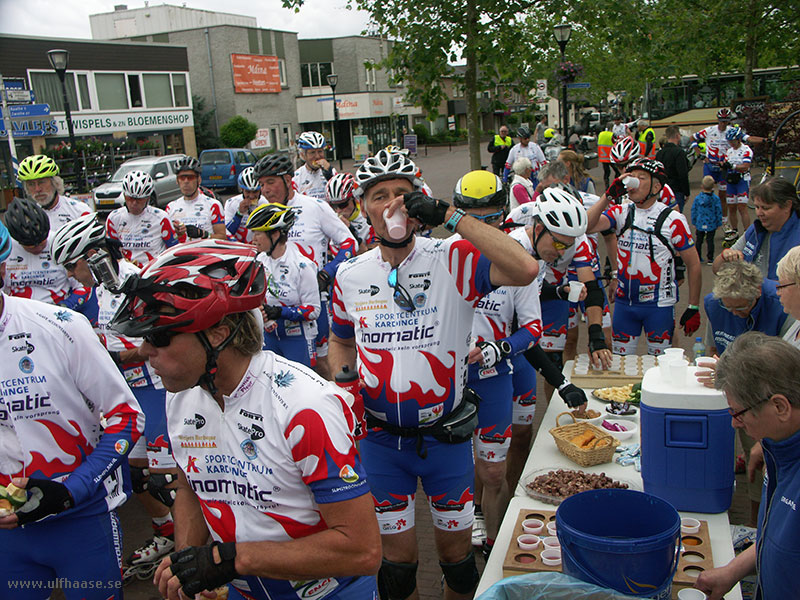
238	132
203	124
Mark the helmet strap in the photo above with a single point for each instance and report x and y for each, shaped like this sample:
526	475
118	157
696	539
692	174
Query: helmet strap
281	238
537	238
390	244
207	379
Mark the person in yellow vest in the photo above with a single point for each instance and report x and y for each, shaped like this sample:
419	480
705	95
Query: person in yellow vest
646	139
499	147
605	140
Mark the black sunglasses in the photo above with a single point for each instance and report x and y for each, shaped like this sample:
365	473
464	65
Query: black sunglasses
401	296
160	339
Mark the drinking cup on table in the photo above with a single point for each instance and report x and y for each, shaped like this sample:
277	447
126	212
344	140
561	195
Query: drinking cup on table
528	541
551	542
663	367
691	594
706	362
551	557
673	353
551	528
533	526
678	372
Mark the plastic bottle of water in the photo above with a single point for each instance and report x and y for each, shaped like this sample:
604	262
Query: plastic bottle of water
699	349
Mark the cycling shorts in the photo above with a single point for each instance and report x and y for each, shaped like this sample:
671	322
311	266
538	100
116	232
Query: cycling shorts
75	551
323	329
718	175
493	434
738	192
524	385
447	473
349	588
297	348
157	445
555	318
629	320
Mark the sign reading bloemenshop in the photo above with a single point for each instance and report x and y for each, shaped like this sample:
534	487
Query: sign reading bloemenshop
130	121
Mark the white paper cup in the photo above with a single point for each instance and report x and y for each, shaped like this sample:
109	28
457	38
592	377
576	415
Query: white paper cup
583	356
630	183
673	353
575	289
551	557
691	594
663	367
528	541
678	372
582	370
706	362
396	224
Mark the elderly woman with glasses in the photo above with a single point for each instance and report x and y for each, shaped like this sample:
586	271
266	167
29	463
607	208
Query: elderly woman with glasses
760	377
789	292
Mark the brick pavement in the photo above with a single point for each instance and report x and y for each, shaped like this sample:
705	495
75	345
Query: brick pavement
441	166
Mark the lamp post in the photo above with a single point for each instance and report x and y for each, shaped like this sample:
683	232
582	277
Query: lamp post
59	60
562	33
333	79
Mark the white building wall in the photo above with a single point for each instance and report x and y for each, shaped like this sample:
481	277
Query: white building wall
157	19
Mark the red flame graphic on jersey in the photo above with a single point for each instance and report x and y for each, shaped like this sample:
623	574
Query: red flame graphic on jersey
74	445
296	529
307	251
220	518
624	259
316	446
463	265
382	370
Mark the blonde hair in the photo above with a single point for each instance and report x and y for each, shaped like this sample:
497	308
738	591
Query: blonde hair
707	183
738	280
249	339
789	266
574	162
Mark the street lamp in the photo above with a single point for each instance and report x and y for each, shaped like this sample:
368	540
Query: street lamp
59	60
562	33
333	79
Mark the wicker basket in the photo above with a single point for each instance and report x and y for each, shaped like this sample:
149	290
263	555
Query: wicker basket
585	457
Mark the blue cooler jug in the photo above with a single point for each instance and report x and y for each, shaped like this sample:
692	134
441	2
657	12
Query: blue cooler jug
687	444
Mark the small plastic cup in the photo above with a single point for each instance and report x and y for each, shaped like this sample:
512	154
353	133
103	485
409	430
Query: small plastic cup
673	353
678	372
575	289
706	362
551	528
551	557
690	525
630	183
583	356
663	367
551	542
691	594
528	541
396	224
582	370
533	526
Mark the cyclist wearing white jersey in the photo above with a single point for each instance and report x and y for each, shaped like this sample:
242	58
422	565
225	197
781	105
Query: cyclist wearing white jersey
238	208
405	310
30	270
67	422
292	303
144	231
316	227
39	175
528	149
650	238
269	466
737	161
96	261
194	215
339	194
311	178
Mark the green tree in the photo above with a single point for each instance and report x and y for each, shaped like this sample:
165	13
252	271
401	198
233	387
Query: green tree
238	132
428	36
203	124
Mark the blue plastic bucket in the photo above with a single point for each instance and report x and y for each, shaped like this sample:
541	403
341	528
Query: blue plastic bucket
625	540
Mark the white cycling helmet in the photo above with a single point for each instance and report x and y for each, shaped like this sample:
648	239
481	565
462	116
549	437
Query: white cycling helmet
385	165
138	184
561	212
247	180
74	239
311	139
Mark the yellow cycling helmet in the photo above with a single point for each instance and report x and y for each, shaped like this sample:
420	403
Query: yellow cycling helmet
549	133
37	166
477	189
271	217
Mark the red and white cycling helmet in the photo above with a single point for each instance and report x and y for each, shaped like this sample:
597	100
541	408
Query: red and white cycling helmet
625	150
191	287
649	165
724	114
340	188
138	184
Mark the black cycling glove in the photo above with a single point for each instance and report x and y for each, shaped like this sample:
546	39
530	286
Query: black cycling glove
597	339
323	281
197	571
45	498
273	313
428	211
572	394
193	231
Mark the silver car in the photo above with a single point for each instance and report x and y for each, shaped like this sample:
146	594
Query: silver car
108	196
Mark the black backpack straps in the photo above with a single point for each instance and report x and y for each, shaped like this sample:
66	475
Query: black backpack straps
656	231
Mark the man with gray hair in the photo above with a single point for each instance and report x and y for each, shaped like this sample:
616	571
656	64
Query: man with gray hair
760	377
40	176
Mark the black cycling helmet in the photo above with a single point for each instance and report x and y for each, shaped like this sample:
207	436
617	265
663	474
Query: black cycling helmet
648	165
523	132
27	222
188	163
273	165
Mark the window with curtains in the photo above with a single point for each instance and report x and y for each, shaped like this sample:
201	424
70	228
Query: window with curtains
157	90
47	88
111	91
179	89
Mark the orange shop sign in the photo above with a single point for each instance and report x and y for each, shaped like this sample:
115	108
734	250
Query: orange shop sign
255	74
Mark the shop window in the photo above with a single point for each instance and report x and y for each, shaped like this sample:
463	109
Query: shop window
314	74
135	91
282	71
47	88
83	87
179	89
157	90
111	92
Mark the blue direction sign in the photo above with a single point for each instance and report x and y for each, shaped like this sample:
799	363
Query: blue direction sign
579	85
21	111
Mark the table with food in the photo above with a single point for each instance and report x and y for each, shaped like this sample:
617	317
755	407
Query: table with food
599	451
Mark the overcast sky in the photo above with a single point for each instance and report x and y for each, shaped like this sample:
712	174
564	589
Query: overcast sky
70	18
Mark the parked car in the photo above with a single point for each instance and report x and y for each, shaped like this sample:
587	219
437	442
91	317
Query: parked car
108	196
221	166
